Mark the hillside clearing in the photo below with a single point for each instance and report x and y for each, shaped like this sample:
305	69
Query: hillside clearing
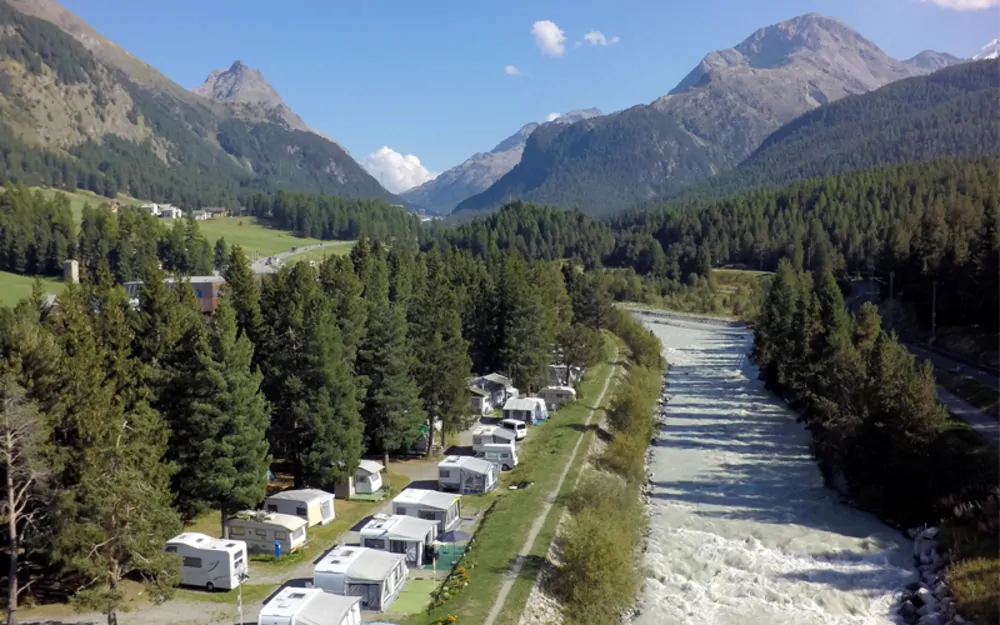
14	287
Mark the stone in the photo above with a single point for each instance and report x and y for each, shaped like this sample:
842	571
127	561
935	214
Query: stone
913	586
931	619
907	609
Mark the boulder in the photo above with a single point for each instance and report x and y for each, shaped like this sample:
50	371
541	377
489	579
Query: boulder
931	619
907	609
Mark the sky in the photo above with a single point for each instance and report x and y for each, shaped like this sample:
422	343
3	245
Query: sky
413	88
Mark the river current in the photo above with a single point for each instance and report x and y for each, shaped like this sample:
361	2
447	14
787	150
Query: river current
742	530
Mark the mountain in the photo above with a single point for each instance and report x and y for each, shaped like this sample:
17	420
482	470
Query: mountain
482	169
913	120
989	51
933	61
710	122
76	110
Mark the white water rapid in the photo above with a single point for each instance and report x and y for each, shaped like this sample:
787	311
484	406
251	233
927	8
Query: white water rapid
742	530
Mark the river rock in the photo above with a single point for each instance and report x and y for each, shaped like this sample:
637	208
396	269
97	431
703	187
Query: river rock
931	619
907	610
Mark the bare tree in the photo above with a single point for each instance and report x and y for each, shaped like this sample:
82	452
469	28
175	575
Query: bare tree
20	442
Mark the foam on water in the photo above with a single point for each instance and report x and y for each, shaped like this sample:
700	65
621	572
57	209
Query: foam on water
742	531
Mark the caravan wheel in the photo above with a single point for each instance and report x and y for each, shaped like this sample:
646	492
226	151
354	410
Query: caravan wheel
210	587
505	467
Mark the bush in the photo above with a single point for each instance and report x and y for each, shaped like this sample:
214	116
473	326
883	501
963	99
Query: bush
976	586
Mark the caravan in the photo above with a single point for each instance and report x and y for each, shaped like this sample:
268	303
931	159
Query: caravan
485	435
375	576
262	531
208	562
503	456
309	606
315	506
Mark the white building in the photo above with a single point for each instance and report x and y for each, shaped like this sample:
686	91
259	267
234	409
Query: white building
414	538
375	576
310	606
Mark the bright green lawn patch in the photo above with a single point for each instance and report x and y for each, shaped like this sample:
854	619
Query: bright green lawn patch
252	235
14	287
252	593
334	249
544	454
414	597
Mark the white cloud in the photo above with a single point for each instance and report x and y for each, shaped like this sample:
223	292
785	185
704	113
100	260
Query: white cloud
597	38
549	38
511	70
966	5
397	172
551	117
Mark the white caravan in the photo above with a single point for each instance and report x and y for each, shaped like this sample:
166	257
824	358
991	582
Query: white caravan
486	435
313	505
208	562
261	530
310	606
504	456
375	576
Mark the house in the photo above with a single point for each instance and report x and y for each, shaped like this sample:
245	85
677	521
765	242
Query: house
309	606
207	562
367	480
313	505
445	508
527	409
492	435
152	209
264	531
207	290
466	475
560	375
169	211
500	388
216	211
414	538
556	396
375	576
200	215
479	400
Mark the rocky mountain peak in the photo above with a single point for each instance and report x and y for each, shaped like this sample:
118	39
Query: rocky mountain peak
989	51
932	60
239	83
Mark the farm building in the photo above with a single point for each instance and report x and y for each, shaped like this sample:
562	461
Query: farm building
367	480
556	396
313	505
261	530
375	576
445	508
527	409
466	475
310	606
414	538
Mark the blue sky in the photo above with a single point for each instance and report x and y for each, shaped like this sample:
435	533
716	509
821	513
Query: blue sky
428	79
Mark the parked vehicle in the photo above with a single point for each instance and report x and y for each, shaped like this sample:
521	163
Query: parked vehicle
261	530
313	505
519	428
208	562
491	435
375	576
310	606
504	456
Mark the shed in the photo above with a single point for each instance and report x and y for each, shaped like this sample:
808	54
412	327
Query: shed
491	435
261	530
375	576
527	409
414	538
367	480
313	505
467	475
556	396
310	606
445	508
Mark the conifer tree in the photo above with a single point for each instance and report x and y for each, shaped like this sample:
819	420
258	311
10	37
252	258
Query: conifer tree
342	286
522	348
241	289
221	255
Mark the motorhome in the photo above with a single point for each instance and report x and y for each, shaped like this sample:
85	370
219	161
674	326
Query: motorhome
313	505
208	562
491	435
263	530
310	606
503	456
556	396
519	428
414	538
375	576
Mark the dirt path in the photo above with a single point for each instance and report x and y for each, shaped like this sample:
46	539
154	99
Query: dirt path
550	500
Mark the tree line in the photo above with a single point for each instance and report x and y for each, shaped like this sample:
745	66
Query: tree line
125	419
879	433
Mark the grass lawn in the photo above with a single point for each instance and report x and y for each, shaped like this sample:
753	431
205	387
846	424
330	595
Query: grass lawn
78	199
336	249
252	593
251	235
14	287
544	454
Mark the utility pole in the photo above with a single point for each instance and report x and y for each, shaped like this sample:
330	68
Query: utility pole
933	309
892	274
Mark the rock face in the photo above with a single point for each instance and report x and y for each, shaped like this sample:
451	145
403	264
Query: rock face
482	169
928	602
932	61
713	119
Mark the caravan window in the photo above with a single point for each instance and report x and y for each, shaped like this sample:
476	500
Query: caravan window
192	563
428	515
171	549
445	473
300	511
298	533
397	546
374	543
280	535
272	508
262	533
237	531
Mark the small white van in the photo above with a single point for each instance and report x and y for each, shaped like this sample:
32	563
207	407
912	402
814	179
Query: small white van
504	456
519	428
208	562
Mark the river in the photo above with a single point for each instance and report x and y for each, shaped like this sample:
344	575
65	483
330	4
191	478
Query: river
742	530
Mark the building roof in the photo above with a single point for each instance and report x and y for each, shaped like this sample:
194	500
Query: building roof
467	463
398	527
204	541
498	379
360	563
522	403
494	431
288	521
370	466
308	495
428	498
309	606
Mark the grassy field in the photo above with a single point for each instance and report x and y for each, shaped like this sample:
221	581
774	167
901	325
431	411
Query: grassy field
78	199
14	287
545	452
336	249
251	235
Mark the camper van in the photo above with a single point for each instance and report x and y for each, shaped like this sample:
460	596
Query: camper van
261	530
504	456
308	606
519	428
208	562
315	506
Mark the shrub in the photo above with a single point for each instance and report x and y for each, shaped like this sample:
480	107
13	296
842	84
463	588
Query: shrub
976	586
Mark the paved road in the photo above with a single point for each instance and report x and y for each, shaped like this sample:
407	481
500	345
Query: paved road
984	425
261	266
536	527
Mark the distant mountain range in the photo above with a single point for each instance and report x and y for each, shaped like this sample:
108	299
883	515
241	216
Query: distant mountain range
478	172
989	51
710	122
79	110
